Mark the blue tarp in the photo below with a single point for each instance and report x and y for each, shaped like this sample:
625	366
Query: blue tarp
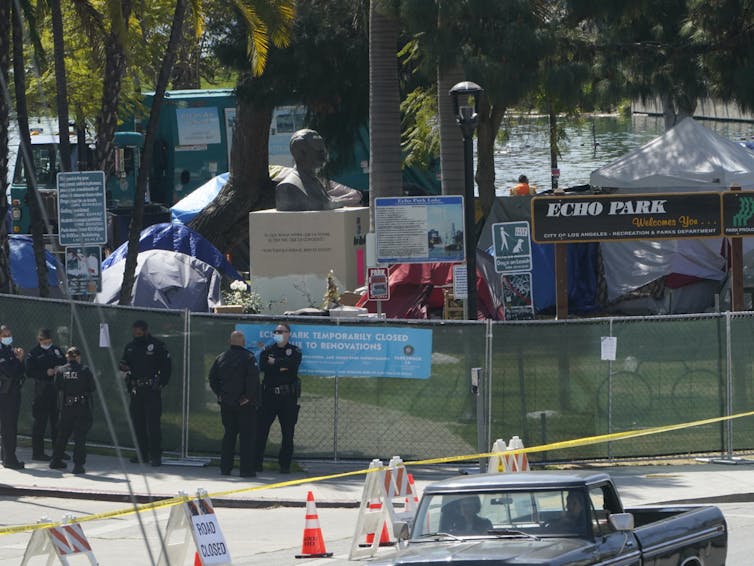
185	209
23	269
178	238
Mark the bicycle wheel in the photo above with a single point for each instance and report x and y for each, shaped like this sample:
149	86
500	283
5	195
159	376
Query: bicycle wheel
631	399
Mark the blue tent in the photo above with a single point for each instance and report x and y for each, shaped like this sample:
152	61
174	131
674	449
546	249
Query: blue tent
185	209
176	268
23	268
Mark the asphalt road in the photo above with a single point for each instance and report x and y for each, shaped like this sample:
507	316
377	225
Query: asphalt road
255	536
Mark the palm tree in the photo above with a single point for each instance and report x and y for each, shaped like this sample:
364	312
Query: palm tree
61	93
137	220
115	68
6	284
19	82
385	178
224	221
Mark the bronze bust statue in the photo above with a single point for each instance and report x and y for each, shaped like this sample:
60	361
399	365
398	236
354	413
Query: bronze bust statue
300	188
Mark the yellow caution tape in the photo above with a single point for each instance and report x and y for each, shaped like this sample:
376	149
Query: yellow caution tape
585	441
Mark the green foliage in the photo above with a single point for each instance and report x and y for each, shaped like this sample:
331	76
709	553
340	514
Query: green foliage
421	138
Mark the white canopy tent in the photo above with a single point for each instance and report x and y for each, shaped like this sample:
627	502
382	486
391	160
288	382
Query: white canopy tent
688	157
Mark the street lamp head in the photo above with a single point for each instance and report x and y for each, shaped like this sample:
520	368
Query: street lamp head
466	96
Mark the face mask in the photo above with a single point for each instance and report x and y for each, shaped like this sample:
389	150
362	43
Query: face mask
7	340
46	346
278	338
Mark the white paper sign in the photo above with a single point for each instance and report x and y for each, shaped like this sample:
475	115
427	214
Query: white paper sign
210	542
104	335
609	347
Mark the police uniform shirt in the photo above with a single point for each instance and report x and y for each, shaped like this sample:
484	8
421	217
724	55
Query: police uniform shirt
287	357
147	357
234	373
73	379
10	366
39	360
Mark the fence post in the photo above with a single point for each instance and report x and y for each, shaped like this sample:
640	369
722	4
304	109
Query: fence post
186	383
728	386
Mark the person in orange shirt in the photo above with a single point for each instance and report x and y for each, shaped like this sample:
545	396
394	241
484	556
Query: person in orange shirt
522	188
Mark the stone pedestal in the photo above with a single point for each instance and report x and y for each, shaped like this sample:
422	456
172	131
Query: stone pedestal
291	254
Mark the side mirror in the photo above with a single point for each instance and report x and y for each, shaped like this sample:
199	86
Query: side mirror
400	530
621	521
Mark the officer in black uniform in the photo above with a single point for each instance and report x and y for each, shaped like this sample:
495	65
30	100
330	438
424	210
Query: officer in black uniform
281	389
40	363
11	378
234	378
75	384
147	364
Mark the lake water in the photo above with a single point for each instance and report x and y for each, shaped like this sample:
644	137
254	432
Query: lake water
591	143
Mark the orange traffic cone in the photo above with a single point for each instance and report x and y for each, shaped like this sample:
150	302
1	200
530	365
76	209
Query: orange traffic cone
197	560
384	535
313	545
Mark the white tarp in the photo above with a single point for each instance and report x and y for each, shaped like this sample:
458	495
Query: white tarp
688	157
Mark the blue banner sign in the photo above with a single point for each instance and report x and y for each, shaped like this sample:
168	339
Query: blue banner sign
352	351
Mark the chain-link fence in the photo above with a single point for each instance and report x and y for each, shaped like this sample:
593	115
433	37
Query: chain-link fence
544	381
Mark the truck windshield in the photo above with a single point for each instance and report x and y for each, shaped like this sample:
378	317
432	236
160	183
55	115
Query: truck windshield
504	514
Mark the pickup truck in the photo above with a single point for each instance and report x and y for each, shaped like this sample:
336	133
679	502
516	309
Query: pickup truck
553	518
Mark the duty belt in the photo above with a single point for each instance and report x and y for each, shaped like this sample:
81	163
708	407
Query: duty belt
286	389
71	400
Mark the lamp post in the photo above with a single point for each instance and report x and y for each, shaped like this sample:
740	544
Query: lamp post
466	96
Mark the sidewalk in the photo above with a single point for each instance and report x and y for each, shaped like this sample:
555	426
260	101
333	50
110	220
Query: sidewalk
108	480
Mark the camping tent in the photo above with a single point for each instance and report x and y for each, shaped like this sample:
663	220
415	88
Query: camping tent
688	157
176	268
23	269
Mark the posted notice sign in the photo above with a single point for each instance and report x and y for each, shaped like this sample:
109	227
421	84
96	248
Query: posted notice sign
419	229
82	215
512	247
378	288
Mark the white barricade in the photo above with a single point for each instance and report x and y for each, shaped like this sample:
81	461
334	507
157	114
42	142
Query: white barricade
378	506
62	543
502	461
194	521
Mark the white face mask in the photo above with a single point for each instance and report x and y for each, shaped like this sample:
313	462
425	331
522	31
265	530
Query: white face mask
7	340
278	338
46	346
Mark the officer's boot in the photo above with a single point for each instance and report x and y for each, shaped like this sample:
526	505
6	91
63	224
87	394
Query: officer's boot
37	449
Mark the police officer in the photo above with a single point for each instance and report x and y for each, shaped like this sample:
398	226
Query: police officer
11	378
281	389
75	383
40	363
147	364
234	378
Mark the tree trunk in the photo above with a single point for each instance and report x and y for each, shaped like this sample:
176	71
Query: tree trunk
451	139
6	283
61	83
673	110
385	176
225	221
37	224
186	68
490	118
137	220
115	67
